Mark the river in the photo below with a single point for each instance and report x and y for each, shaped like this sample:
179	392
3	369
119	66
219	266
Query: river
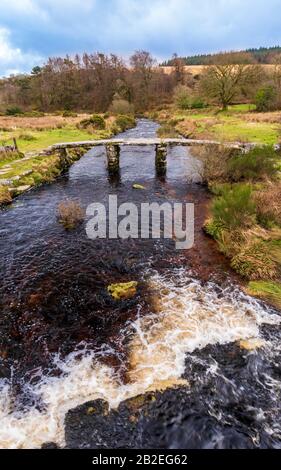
65	342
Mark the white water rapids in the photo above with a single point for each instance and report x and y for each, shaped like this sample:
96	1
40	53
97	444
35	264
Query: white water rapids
189	317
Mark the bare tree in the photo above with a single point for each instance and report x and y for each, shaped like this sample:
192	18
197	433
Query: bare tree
223	80
142	63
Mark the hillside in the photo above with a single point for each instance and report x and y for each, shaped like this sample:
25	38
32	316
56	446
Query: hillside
262	55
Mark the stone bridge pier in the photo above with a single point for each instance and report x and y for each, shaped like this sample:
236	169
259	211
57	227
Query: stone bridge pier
113	158
161	159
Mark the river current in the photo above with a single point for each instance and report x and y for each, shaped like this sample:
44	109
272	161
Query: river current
65	341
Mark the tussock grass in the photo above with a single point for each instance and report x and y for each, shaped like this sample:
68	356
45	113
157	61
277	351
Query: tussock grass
70	214
5	196
266	290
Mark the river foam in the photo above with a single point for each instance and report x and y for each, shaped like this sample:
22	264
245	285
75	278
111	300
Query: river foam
186	316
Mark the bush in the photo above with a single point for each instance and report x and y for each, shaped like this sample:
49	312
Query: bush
95	122
182	97
258	164
13	111
235	208
254	262
197	103
70	214
266	99
120	106
125	122
214	162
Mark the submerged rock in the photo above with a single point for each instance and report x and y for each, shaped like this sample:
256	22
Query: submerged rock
152	421
122	291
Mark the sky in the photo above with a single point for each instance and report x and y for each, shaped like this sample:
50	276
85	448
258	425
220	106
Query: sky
33	30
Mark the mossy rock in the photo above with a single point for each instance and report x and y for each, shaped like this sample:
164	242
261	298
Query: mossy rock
123	291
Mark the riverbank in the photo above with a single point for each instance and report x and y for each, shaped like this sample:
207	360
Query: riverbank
24	169
245	214
253	248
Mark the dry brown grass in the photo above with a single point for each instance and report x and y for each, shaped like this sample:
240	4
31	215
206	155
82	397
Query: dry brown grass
5	196
214	162
273	117
268	203
10	123
70	214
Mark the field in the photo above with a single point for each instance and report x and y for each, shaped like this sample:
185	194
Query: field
198	69
238	123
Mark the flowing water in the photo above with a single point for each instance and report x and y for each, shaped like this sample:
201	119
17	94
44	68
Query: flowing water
65	341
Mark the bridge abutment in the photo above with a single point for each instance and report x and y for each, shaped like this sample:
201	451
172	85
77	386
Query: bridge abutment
113	158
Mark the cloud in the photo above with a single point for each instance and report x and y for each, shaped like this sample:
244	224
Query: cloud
12	59
42	28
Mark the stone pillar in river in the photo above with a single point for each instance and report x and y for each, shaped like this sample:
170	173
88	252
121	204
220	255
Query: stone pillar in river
113	157
161	158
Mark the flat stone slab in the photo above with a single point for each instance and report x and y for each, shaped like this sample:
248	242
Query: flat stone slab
20	189
144	142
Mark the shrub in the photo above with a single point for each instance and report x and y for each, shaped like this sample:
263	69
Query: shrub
197	103
235	208
70	214
125	122
120	106
95	122
254	262
268	203
13	111
258	164
266	99
214	162
182	97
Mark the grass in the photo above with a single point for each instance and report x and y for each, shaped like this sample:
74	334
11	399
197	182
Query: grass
47	137
238	123
18	167
266	290
34	134
244	131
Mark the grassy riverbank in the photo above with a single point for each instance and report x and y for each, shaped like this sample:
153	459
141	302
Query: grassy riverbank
37	133
238	123
20	171
245	214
